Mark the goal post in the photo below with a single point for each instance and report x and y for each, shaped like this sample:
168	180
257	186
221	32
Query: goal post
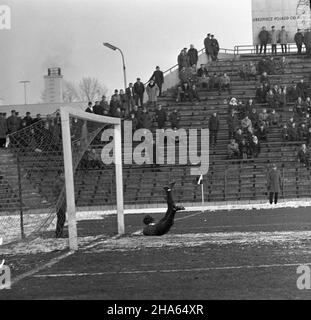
66	113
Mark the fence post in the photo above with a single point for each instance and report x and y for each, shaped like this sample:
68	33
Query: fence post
283	182
20	197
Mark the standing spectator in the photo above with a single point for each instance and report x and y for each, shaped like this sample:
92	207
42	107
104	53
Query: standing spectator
174	119
255	147
225	83
233	123
104	106
130	93
270	98
274	40
98	109
208	47
213	125
302	132
28	119
123	102
116	94
308	139
304	156
183	60
292	132
13	122
274	184
299	39
263	39
283	36
307	41
283	65
244	148
89	108
252	71
254	117
261	133
114	106
193	55
158	78
3	130
260	95
139	90
160	117
134	122
292	93
152	91
233	150
215	48
285	133
263	117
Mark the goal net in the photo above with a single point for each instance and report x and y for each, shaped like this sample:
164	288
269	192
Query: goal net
67	143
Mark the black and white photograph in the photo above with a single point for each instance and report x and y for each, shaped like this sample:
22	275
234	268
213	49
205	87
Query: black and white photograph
155	155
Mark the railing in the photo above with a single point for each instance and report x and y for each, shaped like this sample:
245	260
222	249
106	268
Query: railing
255	49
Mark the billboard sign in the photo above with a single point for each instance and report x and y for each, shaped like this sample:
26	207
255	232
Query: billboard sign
293	14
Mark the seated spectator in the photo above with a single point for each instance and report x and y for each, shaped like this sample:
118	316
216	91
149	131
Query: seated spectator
292	93
250	105
252	71
270	98
255	147
260	96
299	108
246	123
174	119
308	139
233	124
302	132
94	159
114	105
194	93
264	78
145	120
304	156
263	117
225	83
202	71
241	110
187	94
283	65
292	132
274	119
243	72
238	135
233	150
271	66
98	109
254	117
261	133
134	121
185	75
307	105
285	133
160	117
104	105
262	66
302	89
89	108
215	81
233	105
280	98
244	149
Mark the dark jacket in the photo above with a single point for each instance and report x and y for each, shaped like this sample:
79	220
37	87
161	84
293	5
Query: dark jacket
160	116
263	36
213	123
274	181
139	88
208	45
193	56
145	120
130	93
158	77
299	38
174	118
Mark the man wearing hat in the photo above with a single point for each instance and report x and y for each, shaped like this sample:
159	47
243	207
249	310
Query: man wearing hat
274	184
215	48
158	78
208	46
274	39
139	90
283	36
164	225
299	39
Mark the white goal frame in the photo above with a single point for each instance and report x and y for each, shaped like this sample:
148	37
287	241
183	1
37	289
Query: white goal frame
66	112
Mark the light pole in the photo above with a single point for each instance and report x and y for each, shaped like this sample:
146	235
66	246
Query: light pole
112	47
25	91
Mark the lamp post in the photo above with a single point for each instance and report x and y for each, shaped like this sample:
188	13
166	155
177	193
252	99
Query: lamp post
112	47
25	91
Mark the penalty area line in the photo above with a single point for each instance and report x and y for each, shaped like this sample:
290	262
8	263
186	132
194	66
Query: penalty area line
186	270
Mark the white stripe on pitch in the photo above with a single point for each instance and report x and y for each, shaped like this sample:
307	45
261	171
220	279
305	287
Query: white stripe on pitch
220	268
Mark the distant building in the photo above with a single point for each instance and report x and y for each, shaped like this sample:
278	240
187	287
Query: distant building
53	86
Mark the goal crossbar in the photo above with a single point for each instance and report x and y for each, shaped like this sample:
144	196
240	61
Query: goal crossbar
66	112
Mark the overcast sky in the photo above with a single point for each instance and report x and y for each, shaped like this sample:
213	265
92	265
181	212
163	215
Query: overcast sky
69	34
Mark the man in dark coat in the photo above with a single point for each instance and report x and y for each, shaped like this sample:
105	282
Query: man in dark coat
145	120
158	78
13	122
28	119
139	90
104	105
299	39
263	38
61	208
160	117
98	109
233	123
213	125
274	184
208	46
193	55
307	41
130	94
3	130
164	225
215	48
89	108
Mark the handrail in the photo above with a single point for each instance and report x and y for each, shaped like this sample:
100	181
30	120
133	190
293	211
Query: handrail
254	49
